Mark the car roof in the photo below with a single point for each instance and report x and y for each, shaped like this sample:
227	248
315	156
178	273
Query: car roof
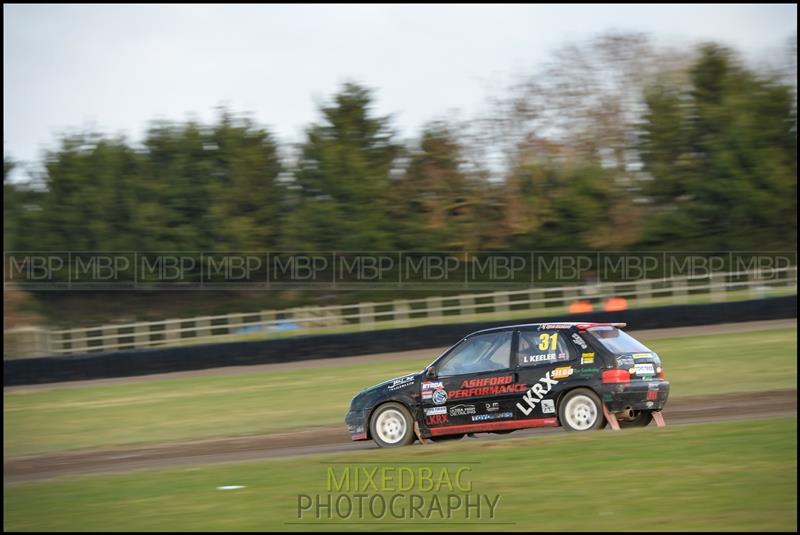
580	325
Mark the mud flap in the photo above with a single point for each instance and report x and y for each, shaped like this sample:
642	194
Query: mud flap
419	435
612	420
658	417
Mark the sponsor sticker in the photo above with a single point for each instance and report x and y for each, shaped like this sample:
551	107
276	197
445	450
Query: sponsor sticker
436	419
401	382
489	386
439	396
548	406
578	340
585	372
433	411
427	394
536	392
494	416
546	326
587	358
562	372
642	355
488	381
462	410
493	406
432	385
624	362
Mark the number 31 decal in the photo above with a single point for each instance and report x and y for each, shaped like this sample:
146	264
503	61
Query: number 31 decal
546	340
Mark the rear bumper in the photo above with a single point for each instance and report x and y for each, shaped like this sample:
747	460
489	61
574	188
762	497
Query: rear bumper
637	395
356	424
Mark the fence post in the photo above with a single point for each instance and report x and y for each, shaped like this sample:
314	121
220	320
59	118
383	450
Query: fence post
532	299
401	311
501	302
434	303
467	304
679	294
78	341
234	321
26	342
717	282
266	317
366	315
331	316
141	335
644	291
54	347
202	327
169	330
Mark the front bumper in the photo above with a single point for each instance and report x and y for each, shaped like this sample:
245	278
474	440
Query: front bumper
356	422
637	395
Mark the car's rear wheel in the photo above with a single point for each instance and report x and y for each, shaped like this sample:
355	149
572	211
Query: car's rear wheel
641	419
581	410
391	425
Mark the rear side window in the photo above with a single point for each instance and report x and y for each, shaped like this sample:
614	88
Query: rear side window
617	341
542	347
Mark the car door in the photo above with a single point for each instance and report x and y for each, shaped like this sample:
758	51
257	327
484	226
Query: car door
544	361
474	388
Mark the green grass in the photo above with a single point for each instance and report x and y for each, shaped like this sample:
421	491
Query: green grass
727	476
41	421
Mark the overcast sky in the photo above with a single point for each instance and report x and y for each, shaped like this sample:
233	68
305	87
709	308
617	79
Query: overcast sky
114	68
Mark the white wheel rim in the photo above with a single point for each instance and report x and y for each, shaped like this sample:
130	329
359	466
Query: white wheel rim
580	413
391	426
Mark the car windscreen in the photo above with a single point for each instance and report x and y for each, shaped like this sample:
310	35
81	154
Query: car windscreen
617	341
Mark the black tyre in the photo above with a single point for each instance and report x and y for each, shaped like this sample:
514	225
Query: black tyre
642	419
581	410
445	438
391	425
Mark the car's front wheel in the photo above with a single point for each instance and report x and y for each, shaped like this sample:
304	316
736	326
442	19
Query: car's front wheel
581	410
391	425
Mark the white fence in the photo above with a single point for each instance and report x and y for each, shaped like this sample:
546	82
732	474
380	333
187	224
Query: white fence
32	341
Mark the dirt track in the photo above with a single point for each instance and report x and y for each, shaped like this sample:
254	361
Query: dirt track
334	439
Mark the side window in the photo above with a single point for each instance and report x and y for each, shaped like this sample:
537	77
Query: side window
543	347
481	353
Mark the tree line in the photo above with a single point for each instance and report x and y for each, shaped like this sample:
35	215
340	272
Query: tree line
614	144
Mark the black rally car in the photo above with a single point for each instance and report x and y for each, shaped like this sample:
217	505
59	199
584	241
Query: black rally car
514	377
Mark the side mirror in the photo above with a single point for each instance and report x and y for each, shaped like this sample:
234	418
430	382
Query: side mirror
430	373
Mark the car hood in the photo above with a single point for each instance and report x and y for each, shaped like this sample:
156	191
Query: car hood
396	385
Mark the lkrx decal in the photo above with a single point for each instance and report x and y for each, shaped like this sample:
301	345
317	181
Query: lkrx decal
535	394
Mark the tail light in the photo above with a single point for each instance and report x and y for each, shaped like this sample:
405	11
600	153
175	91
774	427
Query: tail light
616	376
660	371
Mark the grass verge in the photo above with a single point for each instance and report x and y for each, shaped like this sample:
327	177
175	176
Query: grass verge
717	476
